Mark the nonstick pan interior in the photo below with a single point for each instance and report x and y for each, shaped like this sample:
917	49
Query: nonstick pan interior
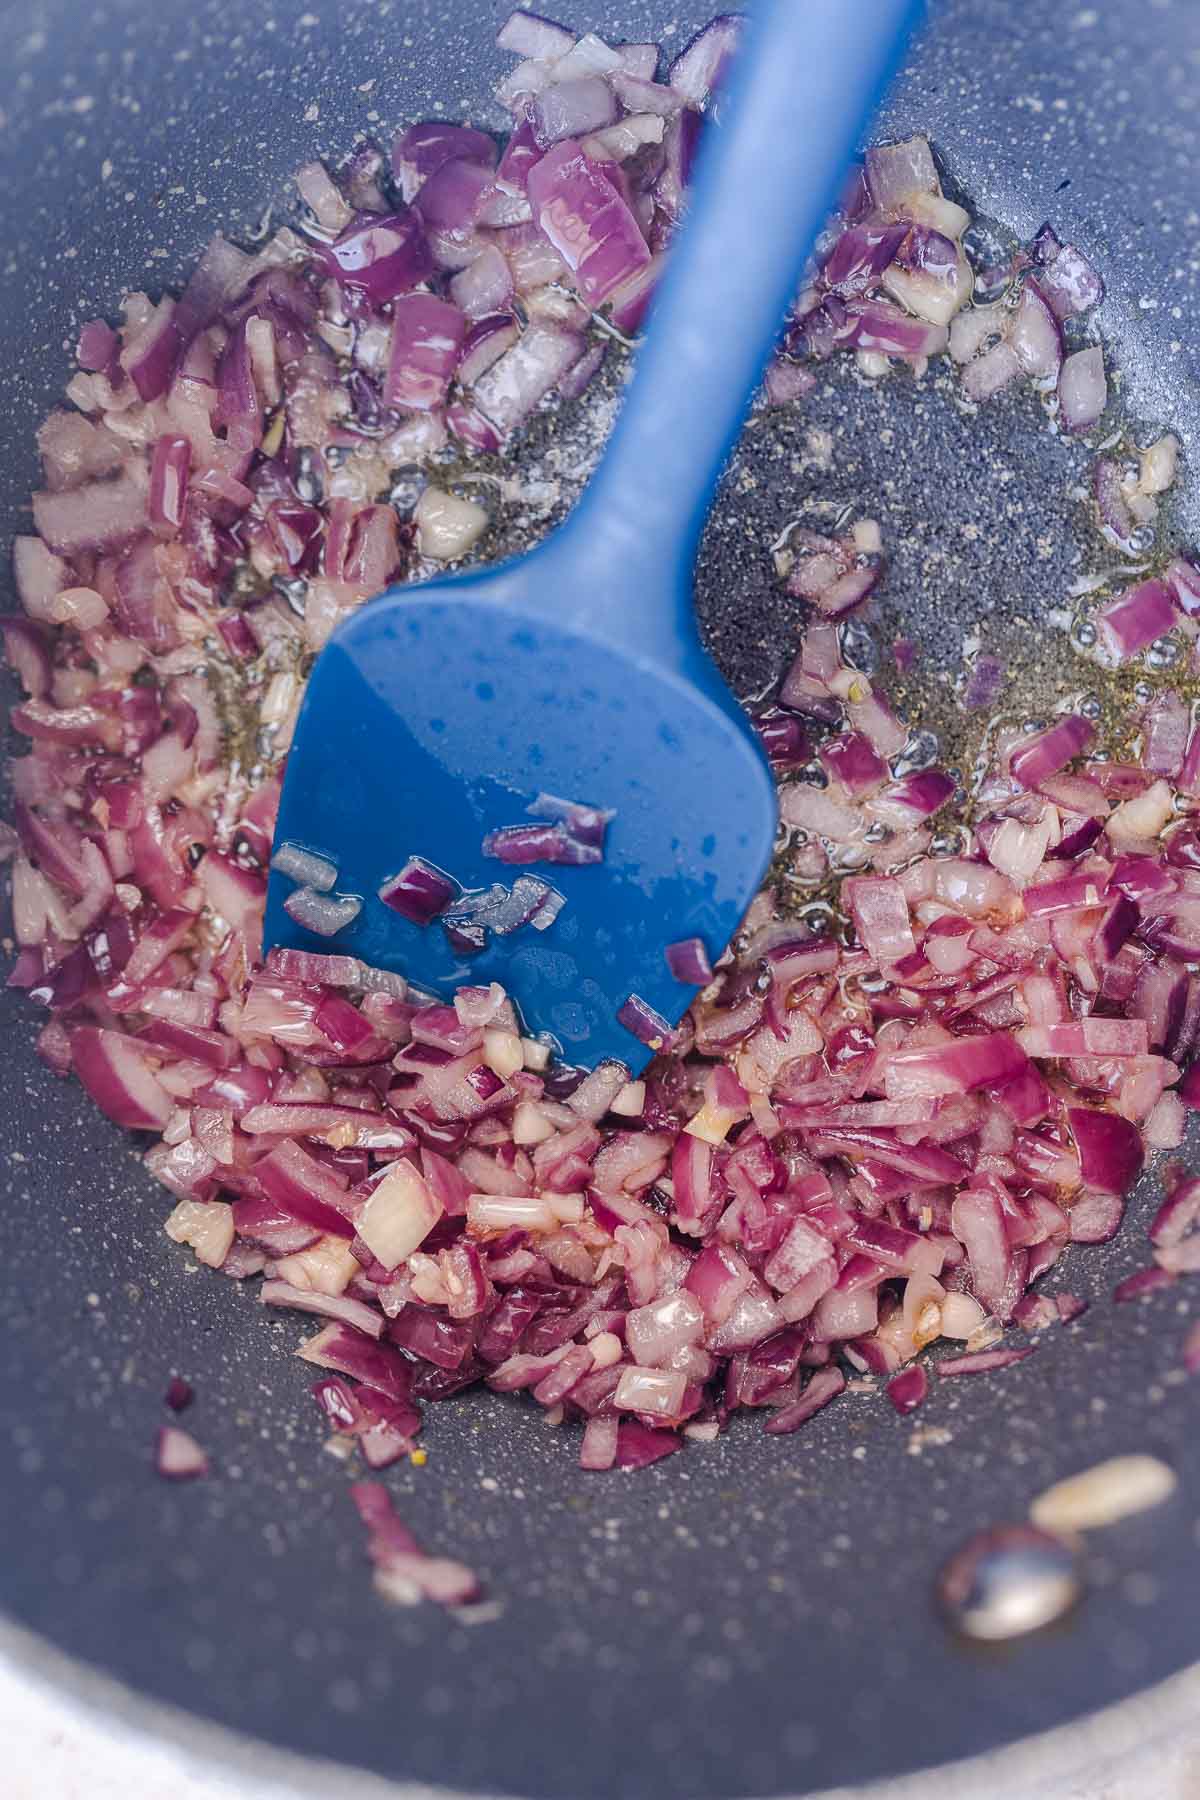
754	1617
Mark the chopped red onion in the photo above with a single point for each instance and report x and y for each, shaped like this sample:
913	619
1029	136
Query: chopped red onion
528	34
1083	388
1034	335
599	1448
688	962
486	339
102	515
853	760
1111	502
1144	613
823	1386
648	1026
656	1393
1183	578
512	388
549	907
484	292
98	346
427	338
909	1389
119	1079
1096	1217
587	222
178	1456
1070	283
420	151
572	109
179	1394
701	65
403	1572
783	737
152	351
378	258
517	844
1046	752
982	1362
640	1445
323	197
325	914
992	372
169	472
27	650
840	1125
880	912
420	892
597	1091
305	867
585	824
333	1306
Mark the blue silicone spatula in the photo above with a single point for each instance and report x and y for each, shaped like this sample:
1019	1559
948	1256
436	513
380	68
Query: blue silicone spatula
439	714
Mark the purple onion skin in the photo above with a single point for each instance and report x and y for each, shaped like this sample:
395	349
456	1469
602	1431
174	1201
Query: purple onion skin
375	259
420	892
909	1389
648	1026
688	962
522	844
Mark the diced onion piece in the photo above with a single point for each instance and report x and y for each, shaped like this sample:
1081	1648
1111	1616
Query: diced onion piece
688	962
503	1053
420	892
524	375
1083	388
398	1216
530	1125
507	1212
305	867
1131	623
323	914
655	1333
1143	817
116	1075
596	1092
702	64
655	1391
207	1226
607	1349
1104	1494
355	1313
178	1457
528	34
640	1019
447	526
599	1450
880	911
587	221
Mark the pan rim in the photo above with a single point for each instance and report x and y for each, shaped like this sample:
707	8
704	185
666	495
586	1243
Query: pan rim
120	1718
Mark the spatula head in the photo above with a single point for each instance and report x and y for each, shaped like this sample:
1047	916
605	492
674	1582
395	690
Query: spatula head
435	716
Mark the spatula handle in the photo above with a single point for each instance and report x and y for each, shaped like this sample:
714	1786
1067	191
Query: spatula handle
806	81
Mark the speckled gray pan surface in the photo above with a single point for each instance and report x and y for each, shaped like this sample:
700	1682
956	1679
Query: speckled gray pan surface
753	1617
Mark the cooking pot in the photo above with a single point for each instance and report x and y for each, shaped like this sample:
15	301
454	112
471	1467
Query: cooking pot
756	1616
